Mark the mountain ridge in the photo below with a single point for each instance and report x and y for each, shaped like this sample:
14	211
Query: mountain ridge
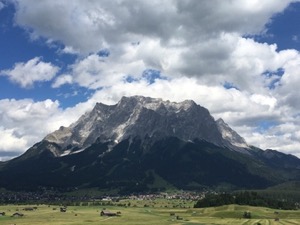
131	145
146	117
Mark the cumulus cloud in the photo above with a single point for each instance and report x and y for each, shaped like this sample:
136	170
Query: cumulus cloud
26	74
9	140
232	59
106	23
62	79
288	89
179	38
24	122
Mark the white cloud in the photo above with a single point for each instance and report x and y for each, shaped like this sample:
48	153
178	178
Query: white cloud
264	100
288	90
1	5
24	122
233	59
295	38
93	72
108	23
69	50
26	74
62	79
10	142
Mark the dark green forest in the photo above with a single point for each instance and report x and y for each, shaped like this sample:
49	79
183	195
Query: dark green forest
246	198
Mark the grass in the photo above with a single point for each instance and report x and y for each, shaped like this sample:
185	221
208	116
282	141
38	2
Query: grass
156	213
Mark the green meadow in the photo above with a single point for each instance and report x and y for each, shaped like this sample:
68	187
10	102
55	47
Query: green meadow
158	212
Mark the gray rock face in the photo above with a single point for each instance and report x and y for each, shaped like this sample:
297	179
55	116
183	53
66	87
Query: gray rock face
144	118
230	135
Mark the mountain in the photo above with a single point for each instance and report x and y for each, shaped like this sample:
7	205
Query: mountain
138	117
148	119
146	144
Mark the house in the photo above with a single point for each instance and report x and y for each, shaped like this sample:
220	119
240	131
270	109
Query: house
107	213
2	213
17	214
63	209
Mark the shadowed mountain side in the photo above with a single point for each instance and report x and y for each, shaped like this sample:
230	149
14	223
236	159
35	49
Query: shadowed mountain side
128	168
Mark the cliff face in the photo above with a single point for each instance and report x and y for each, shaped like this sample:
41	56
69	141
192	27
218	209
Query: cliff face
144	118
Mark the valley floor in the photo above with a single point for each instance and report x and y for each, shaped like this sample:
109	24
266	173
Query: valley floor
142	212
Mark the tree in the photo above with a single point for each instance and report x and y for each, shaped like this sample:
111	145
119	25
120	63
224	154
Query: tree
247	215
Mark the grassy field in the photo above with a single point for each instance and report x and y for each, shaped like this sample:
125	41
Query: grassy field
160	212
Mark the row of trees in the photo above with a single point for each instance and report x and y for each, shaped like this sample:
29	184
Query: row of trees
244	198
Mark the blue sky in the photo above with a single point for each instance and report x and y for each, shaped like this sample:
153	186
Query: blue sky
239	59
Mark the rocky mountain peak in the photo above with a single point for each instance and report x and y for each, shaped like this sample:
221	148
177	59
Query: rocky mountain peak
144	118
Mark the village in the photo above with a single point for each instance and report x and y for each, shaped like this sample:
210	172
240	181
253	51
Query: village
47	196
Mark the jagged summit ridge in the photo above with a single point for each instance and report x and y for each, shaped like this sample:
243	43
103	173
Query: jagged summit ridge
143	118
